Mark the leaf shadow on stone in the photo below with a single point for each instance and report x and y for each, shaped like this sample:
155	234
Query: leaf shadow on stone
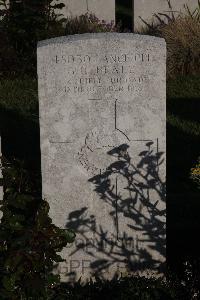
121	248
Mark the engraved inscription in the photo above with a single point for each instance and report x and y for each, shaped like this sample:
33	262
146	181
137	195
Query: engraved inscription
109	73
111	58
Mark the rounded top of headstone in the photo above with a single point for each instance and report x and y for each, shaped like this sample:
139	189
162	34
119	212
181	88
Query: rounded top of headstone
106	35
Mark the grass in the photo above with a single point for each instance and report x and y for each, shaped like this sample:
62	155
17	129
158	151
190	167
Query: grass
19	120
186	87
183	149
188	127
183	106
19	96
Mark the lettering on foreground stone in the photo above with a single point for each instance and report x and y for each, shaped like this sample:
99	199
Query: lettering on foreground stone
102	120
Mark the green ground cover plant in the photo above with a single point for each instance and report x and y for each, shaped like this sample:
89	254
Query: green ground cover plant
29	240
127	288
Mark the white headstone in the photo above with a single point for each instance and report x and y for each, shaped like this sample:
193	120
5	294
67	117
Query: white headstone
102	9
102	120
147	8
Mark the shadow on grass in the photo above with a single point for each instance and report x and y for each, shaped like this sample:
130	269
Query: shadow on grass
20	138
185	108
183	205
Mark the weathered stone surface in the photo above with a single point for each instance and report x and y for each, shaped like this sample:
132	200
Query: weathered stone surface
147	8
102	120
103	9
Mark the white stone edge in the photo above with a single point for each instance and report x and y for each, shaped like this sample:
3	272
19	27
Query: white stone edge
89	36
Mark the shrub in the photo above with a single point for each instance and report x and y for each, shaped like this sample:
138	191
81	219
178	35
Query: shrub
182	35
21	28
29	240
183	46
124	288
88	23
22	24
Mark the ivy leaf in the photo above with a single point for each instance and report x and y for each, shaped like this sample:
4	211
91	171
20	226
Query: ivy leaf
57	258
70	235
15	225
53	279
9	283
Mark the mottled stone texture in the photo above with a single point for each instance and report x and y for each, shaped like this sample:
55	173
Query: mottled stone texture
102	120
103	9
147	8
